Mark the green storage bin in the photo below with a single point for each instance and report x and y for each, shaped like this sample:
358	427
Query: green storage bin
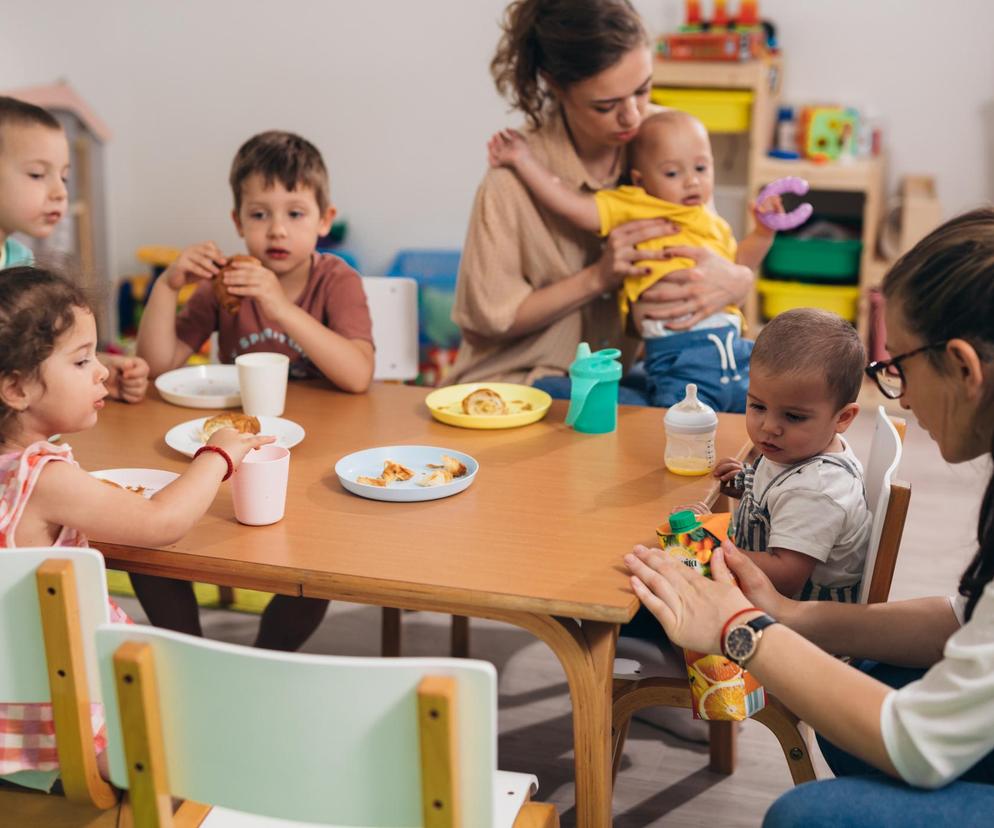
831	259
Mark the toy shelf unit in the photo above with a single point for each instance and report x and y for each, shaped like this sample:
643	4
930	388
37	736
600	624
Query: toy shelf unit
737	102
830	262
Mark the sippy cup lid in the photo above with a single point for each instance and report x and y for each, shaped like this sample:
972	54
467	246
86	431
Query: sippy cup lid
602	366
690	415
683	521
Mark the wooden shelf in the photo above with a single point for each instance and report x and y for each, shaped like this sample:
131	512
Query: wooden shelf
750	74
857	175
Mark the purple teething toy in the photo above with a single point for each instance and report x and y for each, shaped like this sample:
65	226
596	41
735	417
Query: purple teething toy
797	216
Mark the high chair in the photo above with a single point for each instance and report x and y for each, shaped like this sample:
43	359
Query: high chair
51	601
638	687
267	736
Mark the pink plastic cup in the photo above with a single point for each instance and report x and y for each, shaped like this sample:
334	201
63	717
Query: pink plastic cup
258	488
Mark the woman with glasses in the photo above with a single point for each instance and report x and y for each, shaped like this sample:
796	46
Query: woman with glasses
910	733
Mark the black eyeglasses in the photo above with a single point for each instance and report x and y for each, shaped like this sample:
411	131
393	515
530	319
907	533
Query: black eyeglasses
889	376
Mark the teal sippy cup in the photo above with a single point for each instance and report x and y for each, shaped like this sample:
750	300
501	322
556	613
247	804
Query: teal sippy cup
594	377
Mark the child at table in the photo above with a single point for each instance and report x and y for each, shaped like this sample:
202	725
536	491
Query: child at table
672	171
51	382
293	300
34	164
290	299
803	517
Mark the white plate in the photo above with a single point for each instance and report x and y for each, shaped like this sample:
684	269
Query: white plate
369	463
152	479
187	437
201	386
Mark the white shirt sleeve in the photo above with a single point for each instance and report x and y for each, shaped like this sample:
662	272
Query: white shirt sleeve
805	521
938	727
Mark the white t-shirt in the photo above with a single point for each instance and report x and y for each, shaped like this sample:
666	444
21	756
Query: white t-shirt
938	727
820	511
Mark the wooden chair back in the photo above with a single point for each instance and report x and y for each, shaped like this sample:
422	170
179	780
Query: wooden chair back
889	500
320	739
51	601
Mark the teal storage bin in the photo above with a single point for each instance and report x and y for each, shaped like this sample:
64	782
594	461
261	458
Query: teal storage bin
819	259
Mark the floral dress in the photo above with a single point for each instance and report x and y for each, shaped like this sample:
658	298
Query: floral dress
28	754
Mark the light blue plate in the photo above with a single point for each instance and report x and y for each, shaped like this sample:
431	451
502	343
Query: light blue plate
369	463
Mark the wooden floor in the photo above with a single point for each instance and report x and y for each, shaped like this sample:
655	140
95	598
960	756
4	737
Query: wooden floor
663	780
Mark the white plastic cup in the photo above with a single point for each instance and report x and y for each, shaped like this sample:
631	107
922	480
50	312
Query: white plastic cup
258	488
262	380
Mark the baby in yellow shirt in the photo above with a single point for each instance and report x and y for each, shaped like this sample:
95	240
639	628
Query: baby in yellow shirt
672	170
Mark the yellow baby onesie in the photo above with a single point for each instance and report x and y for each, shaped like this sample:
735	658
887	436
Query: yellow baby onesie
699	227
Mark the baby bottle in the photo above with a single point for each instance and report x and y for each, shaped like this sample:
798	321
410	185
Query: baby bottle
690	430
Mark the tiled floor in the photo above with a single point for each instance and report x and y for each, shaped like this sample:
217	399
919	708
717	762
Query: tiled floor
663	780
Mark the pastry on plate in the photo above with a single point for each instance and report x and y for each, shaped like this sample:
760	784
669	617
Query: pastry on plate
371	481
451	465
140	490
243	423
228	301
395	471
438	477
483	402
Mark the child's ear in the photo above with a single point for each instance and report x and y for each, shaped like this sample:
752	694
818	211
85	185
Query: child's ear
636	177
845	417
238	224
14	392
327	219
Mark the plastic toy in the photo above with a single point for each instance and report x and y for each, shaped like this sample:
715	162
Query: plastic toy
797	216
828	132
724	37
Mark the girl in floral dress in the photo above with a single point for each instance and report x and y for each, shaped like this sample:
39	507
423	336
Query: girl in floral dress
52	383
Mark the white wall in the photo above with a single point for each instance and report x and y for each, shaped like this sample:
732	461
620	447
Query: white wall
397	95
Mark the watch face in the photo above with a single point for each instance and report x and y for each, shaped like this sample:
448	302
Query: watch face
740	643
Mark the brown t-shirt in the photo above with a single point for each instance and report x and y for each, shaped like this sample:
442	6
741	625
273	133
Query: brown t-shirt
514	246
333	295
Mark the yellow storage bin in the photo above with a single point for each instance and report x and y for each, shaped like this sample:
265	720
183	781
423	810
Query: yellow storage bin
720	110
777	297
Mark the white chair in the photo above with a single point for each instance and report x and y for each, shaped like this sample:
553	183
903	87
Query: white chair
642	679
51	601
266	736
393	307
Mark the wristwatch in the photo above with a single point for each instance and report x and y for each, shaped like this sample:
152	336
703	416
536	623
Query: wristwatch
742	640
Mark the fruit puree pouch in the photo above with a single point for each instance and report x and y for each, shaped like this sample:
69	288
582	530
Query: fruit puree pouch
720	690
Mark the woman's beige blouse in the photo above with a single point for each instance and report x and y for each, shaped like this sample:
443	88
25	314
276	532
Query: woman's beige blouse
514	246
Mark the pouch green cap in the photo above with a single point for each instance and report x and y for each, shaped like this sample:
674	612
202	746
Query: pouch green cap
684	521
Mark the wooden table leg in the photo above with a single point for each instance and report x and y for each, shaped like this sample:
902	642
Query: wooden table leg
587	655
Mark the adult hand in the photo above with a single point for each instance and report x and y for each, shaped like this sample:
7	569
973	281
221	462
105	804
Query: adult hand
753	582
621	258
198	261
685	297
127	377
692	609
248	278
236	444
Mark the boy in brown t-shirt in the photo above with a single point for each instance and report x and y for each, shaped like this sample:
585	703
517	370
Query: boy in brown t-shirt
294	301
297	302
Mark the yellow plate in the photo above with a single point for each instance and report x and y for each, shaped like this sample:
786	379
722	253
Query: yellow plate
528	405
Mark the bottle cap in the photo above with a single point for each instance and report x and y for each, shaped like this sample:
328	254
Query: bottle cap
602	366
690	415
684	521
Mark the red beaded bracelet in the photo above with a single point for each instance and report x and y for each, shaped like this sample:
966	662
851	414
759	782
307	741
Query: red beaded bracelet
223	453
728	623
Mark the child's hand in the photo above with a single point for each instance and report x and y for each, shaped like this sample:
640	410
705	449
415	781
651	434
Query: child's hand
726	471
128	377
507	148
236	444
770	204
198	261
249	279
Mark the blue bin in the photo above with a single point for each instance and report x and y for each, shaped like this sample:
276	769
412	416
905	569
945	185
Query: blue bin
435	271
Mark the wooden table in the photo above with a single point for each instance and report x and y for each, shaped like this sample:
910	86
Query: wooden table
536	541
